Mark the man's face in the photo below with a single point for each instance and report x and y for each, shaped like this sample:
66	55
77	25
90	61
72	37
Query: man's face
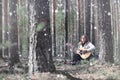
83	39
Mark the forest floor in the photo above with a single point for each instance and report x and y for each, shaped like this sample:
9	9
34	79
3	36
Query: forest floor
85	70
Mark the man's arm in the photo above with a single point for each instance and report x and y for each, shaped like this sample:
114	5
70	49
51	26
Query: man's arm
91	47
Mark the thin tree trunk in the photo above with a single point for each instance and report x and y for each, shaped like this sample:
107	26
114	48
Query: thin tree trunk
13	32
78	19
81	17
1	27
4	28
96	38
32	38
87	17
91	20
84	15
19	28
53	29
66	26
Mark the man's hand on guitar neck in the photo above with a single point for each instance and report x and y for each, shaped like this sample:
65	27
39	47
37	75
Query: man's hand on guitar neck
81	51
84	51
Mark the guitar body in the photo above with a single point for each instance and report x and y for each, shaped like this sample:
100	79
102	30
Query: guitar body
83	55
77	51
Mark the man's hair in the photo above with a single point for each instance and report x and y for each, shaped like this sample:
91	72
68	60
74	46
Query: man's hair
86	37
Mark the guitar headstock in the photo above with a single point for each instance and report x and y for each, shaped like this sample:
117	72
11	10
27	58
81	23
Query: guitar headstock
69	45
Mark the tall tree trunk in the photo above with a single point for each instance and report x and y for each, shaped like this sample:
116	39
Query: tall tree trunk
44	39
4	27
66	27
108	30
32	38
84	16
78	20
53	29
92	21
106	44
96	38
87	17
0	27
115	11
19	27
13	32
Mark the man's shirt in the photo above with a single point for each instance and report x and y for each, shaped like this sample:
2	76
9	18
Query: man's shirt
88	46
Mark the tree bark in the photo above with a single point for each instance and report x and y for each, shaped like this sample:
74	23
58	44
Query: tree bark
66	27
115	11
13	32
44	39
32	38
53	29
106	51
4	28
1	28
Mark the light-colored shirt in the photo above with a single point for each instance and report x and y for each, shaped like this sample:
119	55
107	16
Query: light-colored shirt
88	46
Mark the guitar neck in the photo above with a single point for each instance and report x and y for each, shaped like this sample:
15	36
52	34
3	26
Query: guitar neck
72	47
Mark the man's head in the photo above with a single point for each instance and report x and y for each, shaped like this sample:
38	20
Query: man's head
84	39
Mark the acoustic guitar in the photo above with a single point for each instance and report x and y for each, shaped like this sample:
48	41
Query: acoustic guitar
80	51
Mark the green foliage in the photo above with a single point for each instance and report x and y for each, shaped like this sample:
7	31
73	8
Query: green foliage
84	62
59	23
112	77
40	26
2	76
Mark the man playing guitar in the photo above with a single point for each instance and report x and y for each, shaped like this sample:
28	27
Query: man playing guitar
84	50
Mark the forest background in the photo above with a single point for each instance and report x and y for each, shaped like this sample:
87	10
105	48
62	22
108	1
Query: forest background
34	32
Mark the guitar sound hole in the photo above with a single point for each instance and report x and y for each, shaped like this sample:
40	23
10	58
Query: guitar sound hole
81	52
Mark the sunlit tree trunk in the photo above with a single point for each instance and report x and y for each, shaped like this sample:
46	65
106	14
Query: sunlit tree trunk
12	32
32	38
0	27
4	28
84	16
78	20
53	29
